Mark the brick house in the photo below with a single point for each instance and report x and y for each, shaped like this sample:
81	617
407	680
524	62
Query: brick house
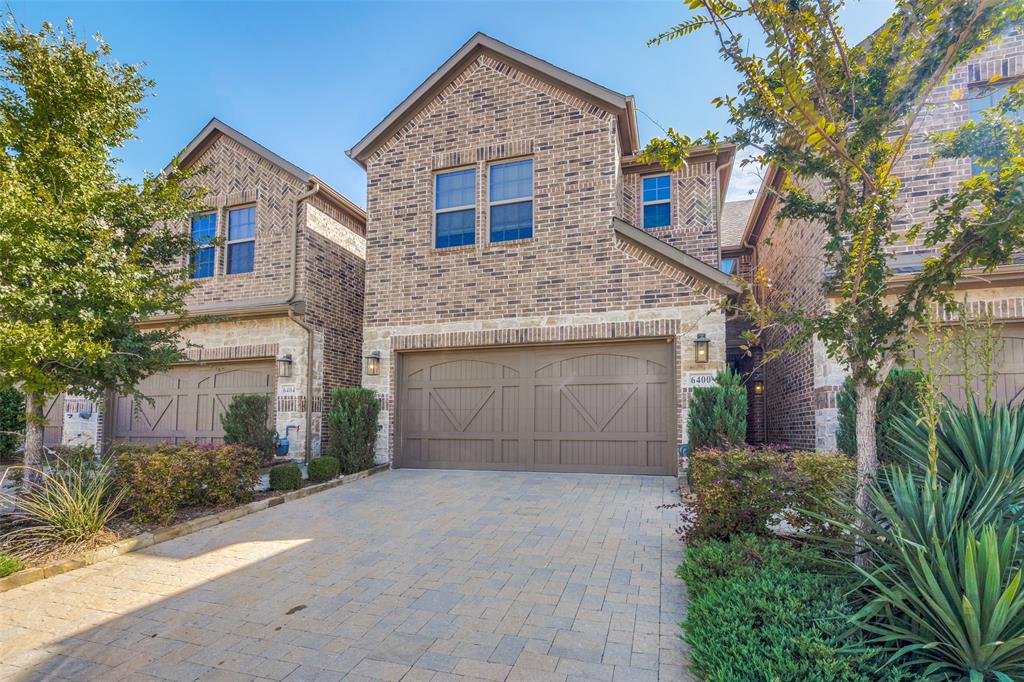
535	298
286	288
801	386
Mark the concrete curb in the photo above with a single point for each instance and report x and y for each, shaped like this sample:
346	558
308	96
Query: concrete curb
143	540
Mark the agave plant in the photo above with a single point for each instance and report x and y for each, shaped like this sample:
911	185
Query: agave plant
70	504
954	609
987	444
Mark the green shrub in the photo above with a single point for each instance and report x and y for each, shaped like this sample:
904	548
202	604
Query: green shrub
352	428
159	480
747	490
9	564
70	504
323	469
246	422
942	585
12	423
286	477
718	414
897	398
763	609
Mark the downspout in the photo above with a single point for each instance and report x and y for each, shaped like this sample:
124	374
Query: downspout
308	437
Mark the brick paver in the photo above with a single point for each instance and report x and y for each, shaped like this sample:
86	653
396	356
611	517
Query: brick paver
408	575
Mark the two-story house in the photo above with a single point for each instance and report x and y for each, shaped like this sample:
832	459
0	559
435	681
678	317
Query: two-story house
279	270
801	386
536	299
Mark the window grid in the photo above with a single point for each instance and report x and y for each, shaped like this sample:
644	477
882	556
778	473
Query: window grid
241	242
983	97
510	199
455	208
204	231
656	194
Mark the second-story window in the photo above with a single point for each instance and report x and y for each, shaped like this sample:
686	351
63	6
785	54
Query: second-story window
241	240
728	266
657	197
455	208
204	231
983	97
511	200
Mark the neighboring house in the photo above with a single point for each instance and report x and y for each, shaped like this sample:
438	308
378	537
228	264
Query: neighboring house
801	386
286	287
536	299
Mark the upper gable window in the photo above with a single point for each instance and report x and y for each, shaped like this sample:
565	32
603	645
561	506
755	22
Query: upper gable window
455	208
983	97
204	231
511	200
241	240
657	201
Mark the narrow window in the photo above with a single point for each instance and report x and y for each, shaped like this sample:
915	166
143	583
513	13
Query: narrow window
455	208
729	266
657	201
204	231
511	199
241	239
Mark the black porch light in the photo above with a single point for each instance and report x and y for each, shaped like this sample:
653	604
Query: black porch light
373	363
701	348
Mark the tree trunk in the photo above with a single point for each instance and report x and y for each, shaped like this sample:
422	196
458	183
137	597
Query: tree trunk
867	448
35	421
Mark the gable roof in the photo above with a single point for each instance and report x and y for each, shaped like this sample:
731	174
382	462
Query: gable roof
216	127
617	103
709	275
733	222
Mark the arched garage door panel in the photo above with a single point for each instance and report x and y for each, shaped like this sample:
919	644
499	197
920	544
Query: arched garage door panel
187	402
1009	380
597	408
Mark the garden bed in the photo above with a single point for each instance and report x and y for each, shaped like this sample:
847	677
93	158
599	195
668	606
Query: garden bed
127	536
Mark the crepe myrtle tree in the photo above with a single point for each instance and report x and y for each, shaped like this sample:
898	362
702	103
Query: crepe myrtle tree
85	254
836	119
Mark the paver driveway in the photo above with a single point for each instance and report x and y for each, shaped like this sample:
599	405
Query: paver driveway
411	575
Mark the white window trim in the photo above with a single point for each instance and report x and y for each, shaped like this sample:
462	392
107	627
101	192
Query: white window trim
228	242
655	203
453	209
517	200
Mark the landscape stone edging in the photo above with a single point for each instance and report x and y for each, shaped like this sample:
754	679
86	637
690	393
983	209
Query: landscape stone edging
143	540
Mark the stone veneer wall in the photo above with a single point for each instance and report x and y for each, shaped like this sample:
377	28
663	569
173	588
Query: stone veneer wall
680	324
573	281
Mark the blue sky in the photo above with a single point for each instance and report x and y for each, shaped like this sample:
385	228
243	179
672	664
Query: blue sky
308	79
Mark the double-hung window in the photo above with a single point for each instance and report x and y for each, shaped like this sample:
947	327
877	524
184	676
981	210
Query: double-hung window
204	231
657	201
511	200
455	208
241	242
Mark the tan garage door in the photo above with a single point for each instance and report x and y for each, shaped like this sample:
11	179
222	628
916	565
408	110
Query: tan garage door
1009	384
188	402
596	408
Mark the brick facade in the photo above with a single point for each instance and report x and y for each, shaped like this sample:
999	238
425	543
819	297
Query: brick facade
801	385
573	280
317	324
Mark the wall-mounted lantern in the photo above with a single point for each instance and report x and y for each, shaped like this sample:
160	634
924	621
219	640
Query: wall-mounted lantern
701	348
758	387
373	363
284	365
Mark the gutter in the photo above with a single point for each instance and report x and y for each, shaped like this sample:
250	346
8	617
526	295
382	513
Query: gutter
308	437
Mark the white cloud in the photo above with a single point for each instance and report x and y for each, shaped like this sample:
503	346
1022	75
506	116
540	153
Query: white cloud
746	180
